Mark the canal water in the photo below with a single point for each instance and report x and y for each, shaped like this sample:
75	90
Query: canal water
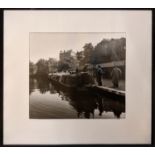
49	101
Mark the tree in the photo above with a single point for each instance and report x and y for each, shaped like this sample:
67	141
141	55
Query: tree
67	61
87	52
109	50
79	56
52	65
63	66
42	67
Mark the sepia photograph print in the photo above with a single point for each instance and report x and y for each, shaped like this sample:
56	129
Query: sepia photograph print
77	75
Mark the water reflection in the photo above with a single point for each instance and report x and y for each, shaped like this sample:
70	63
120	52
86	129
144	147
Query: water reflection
74	104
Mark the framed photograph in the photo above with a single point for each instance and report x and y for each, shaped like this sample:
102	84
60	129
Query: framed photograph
77	77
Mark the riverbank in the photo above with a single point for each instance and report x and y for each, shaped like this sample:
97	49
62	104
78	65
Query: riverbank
108	83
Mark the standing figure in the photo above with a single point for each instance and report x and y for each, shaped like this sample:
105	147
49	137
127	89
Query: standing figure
99	75
116	75
77	71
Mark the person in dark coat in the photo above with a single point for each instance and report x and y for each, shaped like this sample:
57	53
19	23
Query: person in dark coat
99	75
77	70
116	75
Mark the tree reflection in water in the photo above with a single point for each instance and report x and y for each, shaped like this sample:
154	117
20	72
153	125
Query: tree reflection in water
85	103
42	84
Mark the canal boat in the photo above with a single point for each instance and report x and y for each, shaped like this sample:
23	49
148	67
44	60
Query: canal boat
83	82
72	82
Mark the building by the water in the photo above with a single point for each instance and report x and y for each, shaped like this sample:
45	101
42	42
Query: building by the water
67	58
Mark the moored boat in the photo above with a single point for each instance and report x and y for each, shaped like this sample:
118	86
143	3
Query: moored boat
72	82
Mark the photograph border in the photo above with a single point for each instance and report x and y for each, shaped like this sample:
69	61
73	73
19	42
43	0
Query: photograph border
78	145
64	49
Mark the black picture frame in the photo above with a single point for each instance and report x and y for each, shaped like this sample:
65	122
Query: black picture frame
77	145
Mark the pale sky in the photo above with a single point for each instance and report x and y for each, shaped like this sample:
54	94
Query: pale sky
48	45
